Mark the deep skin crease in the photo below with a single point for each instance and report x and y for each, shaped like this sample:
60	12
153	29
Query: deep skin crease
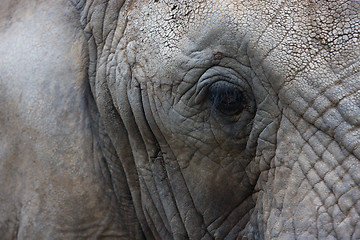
179	119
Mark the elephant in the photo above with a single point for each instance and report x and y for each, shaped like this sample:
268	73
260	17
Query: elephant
174	119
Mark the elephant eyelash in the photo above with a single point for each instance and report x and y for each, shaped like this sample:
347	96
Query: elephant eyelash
227	98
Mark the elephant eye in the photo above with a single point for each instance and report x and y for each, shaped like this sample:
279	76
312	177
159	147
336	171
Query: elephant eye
226	98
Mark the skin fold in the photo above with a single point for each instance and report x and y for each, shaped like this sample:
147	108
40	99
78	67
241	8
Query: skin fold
170	119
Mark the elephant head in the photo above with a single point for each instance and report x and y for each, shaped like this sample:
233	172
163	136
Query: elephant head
240	118
223	119
232	118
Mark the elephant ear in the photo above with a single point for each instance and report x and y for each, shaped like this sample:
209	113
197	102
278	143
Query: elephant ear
100	19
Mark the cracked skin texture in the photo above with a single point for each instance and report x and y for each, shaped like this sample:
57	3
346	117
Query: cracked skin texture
108	128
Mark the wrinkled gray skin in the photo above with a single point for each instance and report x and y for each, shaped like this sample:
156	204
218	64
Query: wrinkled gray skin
109	129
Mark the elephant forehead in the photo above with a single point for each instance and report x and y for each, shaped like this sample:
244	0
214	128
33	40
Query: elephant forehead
333	25
168	22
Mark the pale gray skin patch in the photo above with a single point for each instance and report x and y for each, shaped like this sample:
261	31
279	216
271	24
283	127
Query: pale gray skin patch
108	127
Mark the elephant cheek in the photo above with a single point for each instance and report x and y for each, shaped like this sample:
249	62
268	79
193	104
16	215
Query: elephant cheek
311	190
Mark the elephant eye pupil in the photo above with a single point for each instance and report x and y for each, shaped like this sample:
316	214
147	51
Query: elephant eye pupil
226	98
